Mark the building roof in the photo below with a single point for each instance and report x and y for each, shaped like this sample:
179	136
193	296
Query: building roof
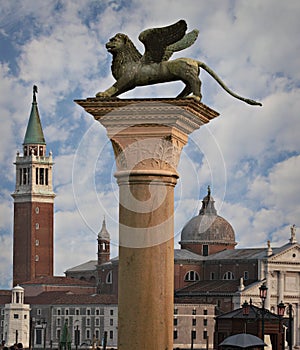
34	133
87	266
254	313
69	298
208	227
212	287
184	254
57	280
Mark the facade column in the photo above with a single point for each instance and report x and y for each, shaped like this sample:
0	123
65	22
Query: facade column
280	290
147	137
268	284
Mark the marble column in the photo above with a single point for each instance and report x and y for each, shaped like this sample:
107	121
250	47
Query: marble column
147	137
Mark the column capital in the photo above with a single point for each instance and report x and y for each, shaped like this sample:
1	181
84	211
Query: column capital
148	133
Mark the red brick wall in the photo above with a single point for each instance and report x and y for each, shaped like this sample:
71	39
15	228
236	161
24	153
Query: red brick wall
31	241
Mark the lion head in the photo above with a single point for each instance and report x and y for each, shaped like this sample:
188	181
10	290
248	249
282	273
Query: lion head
121	44
124	53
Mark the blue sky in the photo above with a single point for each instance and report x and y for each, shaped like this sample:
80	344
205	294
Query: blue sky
249	155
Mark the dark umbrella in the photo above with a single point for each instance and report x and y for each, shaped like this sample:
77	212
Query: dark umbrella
243	340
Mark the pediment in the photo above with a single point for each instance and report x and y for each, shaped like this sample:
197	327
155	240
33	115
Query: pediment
290	255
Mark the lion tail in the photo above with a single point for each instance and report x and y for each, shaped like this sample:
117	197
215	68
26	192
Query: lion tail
220	81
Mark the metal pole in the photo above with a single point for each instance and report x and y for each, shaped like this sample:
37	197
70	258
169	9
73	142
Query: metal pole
290	327
104	340
263	320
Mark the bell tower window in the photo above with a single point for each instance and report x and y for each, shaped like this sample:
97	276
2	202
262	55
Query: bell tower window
205	250
42	176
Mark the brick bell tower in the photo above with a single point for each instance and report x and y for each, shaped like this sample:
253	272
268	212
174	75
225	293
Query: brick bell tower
33	205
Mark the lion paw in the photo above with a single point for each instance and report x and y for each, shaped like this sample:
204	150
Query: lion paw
102	95
195	97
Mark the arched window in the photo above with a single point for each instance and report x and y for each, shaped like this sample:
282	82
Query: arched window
109	278
192	276
228	276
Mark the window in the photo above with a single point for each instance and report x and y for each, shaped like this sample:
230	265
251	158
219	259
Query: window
246	275
194	311
58	334
212	275
228	276
38	312
88	321
37	210
37	226
205	250
66	312
194	322
38	336
42	176
175	336
111	322
16	315
77	312
25	176
176	311
88	312
37	242
88	334
97	322
205	322
111	335
111	312
97	333
46	177
192	276
109	278
205	312
58	322
175	323
97	312
204	334
37	258
58	312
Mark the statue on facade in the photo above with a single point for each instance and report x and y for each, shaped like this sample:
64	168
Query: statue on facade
131	69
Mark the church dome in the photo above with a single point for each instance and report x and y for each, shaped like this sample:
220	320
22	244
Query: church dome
208	227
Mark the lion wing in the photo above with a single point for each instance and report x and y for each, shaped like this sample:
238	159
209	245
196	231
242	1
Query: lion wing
156	40
182	44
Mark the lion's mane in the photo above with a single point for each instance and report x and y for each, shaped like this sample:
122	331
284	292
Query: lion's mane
127	54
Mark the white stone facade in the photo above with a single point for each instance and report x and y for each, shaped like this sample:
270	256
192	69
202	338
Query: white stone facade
17	319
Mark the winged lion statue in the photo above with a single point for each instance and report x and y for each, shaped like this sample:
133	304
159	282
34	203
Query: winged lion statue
131	69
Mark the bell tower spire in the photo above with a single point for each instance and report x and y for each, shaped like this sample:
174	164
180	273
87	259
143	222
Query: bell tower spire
33	204
103	244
